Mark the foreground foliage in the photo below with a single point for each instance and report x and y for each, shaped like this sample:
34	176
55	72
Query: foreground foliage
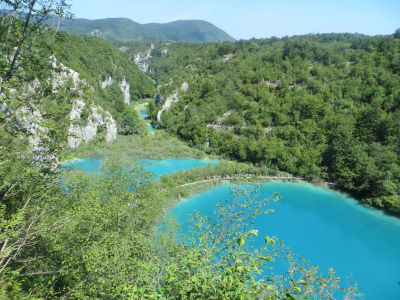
99	241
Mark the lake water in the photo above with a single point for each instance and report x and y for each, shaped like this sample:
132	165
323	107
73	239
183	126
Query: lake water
143	114
171	165
326	227
91	164
157	167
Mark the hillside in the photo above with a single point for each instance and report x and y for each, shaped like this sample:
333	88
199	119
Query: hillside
319	106
126	30
85	94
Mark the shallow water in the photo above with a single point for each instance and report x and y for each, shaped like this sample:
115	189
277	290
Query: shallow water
143	114
326	227
91	164
171	165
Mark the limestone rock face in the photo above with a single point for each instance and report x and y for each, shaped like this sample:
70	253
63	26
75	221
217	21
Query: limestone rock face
96	32
4	108
78	133
62	74
185	87
107	82
30	119
171	100
167	104
124	85
142	58
162	53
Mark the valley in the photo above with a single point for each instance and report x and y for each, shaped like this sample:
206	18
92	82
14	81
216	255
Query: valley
170	161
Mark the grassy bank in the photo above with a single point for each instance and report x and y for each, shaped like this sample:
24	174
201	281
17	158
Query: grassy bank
159	145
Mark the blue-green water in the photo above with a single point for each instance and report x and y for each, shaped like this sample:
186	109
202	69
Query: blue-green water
168	166
326	227
157	167
91	164
143	114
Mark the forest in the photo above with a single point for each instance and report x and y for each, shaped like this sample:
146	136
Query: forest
322	106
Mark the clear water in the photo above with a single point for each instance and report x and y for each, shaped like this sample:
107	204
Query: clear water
90	165
168	166
143	114
326	227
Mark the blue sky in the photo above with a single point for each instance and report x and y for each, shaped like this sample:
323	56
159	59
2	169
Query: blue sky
256	18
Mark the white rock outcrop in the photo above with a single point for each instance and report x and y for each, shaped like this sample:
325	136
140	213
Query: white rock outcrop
4	108
124	86
62	74
96	32
85	133
171	100
227	57
107	82
142	58
30	119
185	87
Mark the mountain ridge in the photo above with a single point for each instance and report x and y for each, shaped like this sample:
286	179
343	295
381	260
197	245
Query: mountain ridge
127	30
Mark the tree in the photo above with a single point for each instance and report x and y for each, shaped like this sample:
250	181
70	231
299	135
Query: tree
28	184
397	33
21	24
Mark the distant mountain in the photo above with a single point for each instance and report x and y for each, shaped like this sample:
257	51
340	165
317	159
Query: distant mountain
126	30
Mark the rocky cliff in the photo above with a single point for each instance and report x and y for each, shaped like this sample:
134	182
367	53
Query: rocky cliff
86	130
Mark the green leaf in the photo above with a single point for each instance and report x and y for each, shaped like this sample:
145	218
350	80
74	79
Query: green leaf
240	242
254	232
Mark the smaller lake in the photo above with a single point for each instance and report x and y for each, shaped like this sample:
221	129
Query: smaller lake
171	165
92	165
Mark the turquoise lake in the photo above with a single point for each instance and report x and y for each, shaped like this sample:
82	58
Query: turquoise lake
328	228
171	165
325	227
91	164
157	167
143	115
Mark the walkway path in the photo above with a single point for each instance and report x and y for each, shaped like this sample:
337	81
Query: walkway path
228	177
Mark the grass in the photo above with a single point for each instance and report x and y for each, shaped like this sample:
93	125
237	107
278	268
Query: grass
159	145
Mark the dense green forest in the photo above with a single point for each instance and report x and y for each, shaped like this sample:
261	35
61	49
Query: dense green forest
320	106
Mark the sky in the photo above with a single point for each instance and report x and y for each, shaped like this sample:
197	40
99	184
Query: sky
245	19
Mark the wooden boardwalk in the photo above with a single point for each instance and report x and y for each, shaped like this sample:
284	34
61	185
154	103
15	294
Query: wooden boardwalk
228	177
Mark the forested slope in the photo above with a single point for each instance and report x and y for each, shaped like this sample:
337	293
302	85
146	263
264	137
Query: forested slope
126	30
105	68
321	106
